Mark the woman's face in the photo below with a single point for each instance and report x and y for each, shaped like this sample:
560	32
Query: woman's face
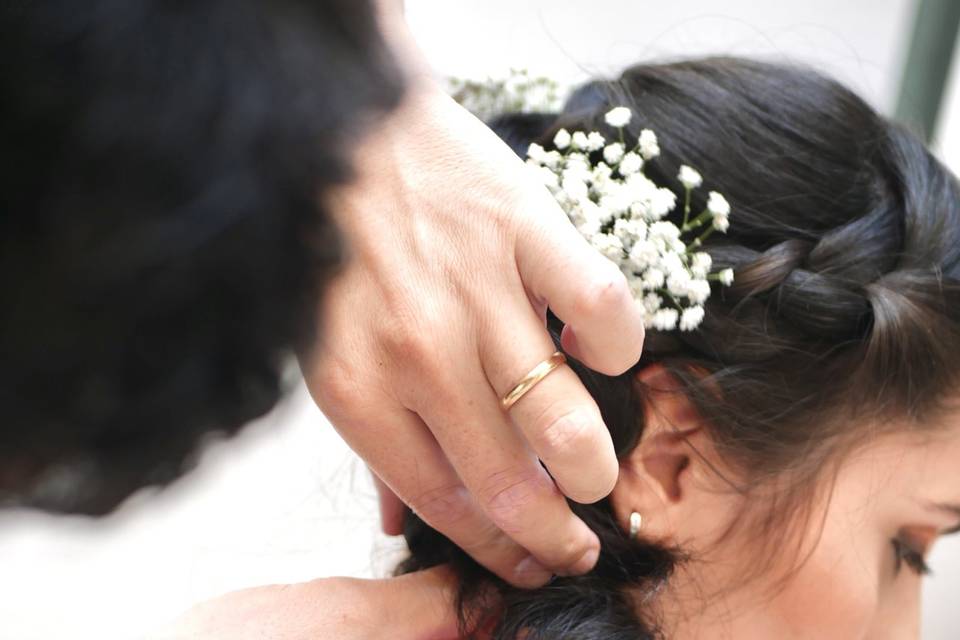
851	571
866	543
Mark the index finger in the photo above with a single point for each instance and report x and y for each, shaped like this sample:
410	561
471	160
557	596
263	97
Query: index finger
559	269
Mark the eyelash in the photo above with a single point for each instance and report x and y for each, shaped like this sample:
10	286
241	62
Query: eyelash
914	559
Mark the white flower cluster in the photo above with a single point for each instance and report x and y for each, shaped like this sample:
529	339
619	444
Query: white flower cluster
620	211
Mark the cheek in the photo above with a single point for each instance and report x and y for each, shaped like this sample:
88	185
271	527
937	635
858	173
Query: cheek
833	595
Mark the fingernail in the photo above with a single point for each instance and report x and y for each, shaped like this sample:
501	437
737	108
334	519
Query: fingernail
586	562
530	573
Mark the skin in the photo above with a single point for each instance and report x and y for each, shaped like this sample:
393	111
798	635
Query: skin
835	576
442	219
417	606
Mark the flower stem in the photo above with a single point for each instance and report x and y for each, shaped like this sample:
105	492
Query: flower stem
703	236
696	222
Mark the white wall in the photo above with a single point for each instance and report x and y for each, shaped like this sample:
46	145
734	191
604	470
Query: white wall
287	501
859	41
941	617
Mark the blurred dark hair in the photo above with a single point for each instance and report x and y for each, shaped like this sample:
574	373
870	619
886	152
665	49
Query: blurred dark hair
845	311
161	242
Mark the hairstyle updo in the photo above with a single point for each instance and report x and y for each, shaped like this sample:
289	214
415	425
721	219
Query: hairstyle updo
845	310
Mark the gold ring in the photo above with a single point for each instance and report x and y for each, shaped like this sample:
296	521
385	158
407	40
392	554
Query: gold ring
536	374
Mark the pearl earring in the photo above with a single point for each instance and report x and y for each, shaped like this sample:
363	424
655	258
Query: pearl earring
636	521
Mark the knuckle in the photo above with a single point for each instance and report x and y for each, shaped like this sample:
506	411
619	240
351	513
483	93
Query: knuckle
335	387
571	432
509	496
604	293
569	550
442	507
414	345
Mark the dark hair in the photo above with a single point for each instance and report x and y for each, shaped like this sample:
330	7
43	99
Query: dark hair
845	240
161	242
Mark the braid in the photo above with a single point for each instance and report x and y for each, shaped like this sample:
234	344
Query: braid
886	284
845	242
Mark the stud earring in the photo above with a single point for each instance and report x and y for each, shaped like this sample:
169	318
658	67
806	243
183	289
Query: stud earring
636	521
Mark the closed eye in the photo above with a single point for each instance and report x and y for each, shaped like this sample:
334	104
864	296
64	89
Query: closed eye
914	559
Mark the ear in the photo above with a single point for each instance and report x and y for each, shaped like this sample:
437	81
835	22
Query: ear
669	478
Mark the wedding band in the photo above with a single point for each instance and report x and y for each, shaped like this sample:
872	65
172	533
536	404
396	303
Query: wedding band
536	374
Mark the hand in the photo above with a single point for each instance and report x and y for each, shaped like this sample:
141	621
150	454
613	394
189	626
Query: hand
410	607
456	253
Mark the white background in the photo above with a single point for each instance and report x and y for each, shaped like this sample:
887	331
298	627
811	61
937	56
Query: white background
286	501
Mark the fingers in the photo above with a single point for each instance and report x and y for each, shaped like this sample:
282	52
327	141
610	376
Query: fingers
498	467
604	324
558	417
392	508
424	479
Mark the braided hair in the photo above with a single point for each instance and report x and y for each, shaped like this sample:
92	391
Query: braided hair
845	240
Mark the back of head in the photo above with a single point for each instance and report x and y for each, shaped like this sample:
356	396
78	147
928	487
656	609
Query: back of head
161	244
845	241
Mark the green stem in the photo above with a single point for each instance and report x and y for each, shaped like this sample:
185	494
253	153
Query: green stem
686	208
664	293
703	236
697	222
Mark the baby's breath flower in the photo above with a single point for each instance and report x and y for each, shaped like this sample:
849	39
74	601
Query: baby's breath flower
665	230
609	245
649	147
631	163
595	141
536	152
691	318
698	290
601	173
552	159
718	205
662	202
653	278
721	223
622	213
613	153
665	319
618	117
652	302
677	282
700	263
689	177
643	254
630	231
575	188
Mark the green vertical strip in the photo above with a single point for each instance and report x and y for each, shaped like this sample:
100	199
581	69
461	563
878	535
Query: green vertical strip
928	63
